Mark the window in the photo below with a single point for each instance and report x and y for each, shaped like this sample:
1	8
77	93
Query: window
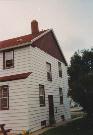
49	74
60	69
62	117
43	123
61	95
42	95
8	59
4	97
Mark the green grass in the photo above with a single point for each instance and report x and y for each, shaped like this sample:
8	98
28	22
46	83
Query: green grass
83	126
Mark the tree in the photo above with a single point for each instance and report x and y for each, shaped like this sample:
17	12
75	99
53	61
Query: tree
81	79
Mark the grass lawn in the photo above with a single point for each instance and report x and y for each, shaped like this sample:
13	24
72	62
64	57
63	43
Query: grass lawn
82	126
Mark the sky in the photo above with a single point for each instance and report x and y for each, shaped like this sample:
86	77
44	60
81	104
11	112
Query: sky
71	20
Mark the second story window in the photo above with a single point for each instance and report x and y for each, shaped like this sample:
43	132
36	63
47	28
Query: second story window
49	73
8	59
42	95
61	95
4	97
60	69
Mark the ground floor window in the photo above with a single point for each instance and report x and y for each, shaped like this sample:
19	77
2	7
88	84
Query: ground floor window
42	95
4	97
61	95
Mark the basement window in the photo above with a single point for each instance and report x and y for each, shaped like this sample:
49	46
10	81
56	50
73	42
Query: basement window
4	97
62	117
43	123
8	59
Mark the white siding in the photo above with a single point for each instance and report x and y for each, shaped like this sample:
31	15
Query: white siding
21	62
25	110
39	76
17	115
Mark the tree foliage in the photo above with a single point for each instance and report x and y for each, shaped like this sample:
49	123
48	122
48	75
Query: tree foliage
81	79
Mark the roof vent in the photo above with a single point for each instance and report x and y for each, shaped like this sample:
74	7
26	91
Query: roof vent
34	27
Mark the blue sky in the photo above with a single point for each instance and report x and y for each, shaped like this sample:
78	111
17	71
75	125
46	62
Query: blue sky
72	21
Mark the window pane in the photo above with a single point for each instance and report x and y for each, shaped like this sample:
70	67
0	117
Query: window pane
4	93
9	55
8	59
42	94
48	67
60	91
9	63
4	103
60	69
59	65
4	97
61	99
42	100
49	76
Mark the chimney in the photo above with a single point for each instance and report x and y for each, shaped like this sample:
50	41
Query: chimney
34	27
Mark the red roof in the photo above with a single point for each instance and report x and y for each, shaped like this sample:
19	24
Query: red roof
19	40
14	77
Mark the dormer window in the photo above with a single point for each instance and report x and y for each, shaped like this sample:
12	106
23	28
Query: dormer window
8	59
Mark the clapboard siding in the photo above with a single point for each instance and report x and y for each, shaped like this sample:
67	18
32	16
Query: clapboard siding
21	62
39	76
17	115
24	108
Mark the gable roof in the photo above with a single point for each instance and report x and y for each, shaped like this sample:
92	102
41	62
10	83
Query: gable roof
14	77
28	40
10	43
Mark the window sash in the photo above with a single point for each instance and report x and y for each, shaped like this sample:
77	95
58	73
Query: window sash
42	95
48	67
61	99
4	97
49	73
8	59
61	95
60	69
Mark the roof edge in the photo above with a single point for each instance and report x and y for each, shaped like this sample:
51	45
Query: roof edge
14	77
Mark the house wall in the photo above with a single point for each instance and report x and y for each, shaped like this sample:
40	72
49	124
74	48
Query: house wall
25	110
39	76
17	115
21	62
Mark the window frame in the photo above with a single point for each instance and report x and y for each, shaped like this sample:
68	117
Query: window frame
7	97
4	59
41	104
61	96
49	74
60	69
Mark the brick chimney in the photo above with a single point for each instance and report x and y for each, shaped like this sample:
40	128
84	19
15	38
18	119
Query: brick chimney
34	27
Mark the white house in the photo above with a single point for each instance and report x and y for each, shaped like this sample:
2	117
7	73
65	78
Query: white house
33	81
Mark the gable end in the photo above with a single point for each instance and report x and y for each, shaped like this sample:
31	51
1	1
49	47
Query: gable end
49	44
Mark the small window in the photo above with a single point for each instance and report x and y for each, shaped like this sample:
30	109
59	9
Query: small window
60	69
4	97
42	95
61	95
49	73
43	123
62	117
8	59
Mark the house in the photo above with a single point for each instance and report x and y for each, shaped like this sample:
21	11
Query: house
33	81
